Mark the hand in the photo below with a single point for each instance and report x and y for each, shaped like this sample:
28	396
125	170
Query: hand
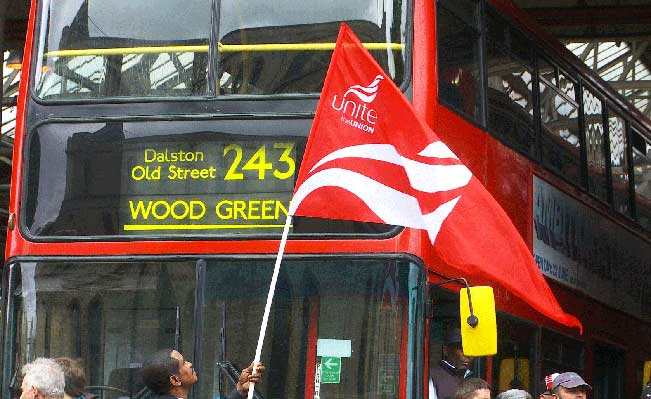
247	376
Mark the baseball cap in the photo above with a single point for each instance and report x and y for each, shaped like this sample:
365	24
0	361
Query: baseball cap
569	379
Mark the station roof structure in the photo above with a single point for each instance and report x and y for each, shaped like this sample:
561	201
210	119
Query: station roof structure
612	37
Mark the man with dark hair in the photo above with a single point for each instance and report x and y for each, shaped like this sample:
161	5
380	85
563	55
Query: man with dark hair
473	388
451	370
570	385
170	376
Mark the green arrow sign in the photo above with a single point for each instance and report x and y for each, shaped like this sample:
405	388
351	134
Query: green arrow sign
330	370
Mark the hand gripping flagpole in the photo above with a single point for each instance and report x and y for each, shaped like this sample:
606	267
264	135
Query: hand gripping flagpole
270	297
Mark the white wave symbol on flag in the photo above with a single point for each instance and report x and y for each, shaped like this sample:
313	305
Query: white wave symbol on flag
365	93
390	205
423	177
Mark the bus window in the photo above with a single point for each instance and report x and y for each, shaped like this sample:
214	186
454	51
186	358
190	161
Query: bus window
642	178
619	164
595	143
608	374
351	313
560	139
509	73
458	56
547	71
243	70
559	353
122	52
567	85
365	316
200	178
98	49
514	364
122	313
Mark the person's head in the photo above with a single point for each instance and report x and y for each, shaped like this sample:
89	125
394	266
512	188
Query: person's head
514	394
167	371
570	385
453	350
74	375
473	388
42	379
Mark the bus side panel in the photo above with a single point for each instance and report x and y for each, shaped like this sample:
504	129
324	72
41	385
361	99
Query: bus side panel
13	232
424	61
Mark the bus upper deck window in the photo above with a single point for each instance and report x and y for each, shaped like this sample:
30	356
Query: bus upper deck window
595	141
642	178
509	95
619	163
95	49
458	57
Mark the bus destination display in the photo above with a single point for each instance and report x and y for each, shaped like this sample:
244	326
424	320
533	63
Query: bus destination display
203	186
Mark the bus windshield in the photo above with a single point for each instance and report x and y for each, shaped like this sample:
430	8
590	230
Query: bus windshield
364	315
175	48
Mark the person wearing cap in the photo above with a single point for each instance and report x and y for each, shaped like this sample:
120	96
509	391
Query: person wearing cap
570	385
446	376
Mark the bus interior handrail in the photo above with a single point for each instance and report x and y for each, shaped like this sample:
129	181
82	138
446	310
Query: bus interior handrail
203	48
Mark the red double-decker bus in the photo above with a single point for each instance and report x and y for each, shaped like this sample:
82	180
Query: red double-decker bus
156	149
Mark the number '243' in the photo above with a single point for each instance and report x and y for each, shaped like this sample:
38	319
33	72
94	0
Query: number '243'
283	167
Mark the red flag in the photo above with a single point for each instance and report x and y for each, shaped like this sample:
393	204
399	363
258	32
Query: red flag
370	158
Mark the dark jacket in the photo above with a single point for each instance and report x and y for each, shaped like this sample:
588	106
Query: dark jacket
446	378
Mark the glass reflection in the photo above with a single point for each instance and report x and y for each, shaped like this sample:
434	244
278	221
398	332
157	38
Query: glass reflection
97	49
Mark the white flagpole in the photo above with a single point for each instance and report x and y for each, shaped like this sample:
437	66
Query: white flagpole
270	297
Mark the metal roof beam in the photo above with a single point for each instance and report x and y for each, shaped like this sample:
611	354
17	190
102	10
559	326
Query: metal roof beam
593	16
630	84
